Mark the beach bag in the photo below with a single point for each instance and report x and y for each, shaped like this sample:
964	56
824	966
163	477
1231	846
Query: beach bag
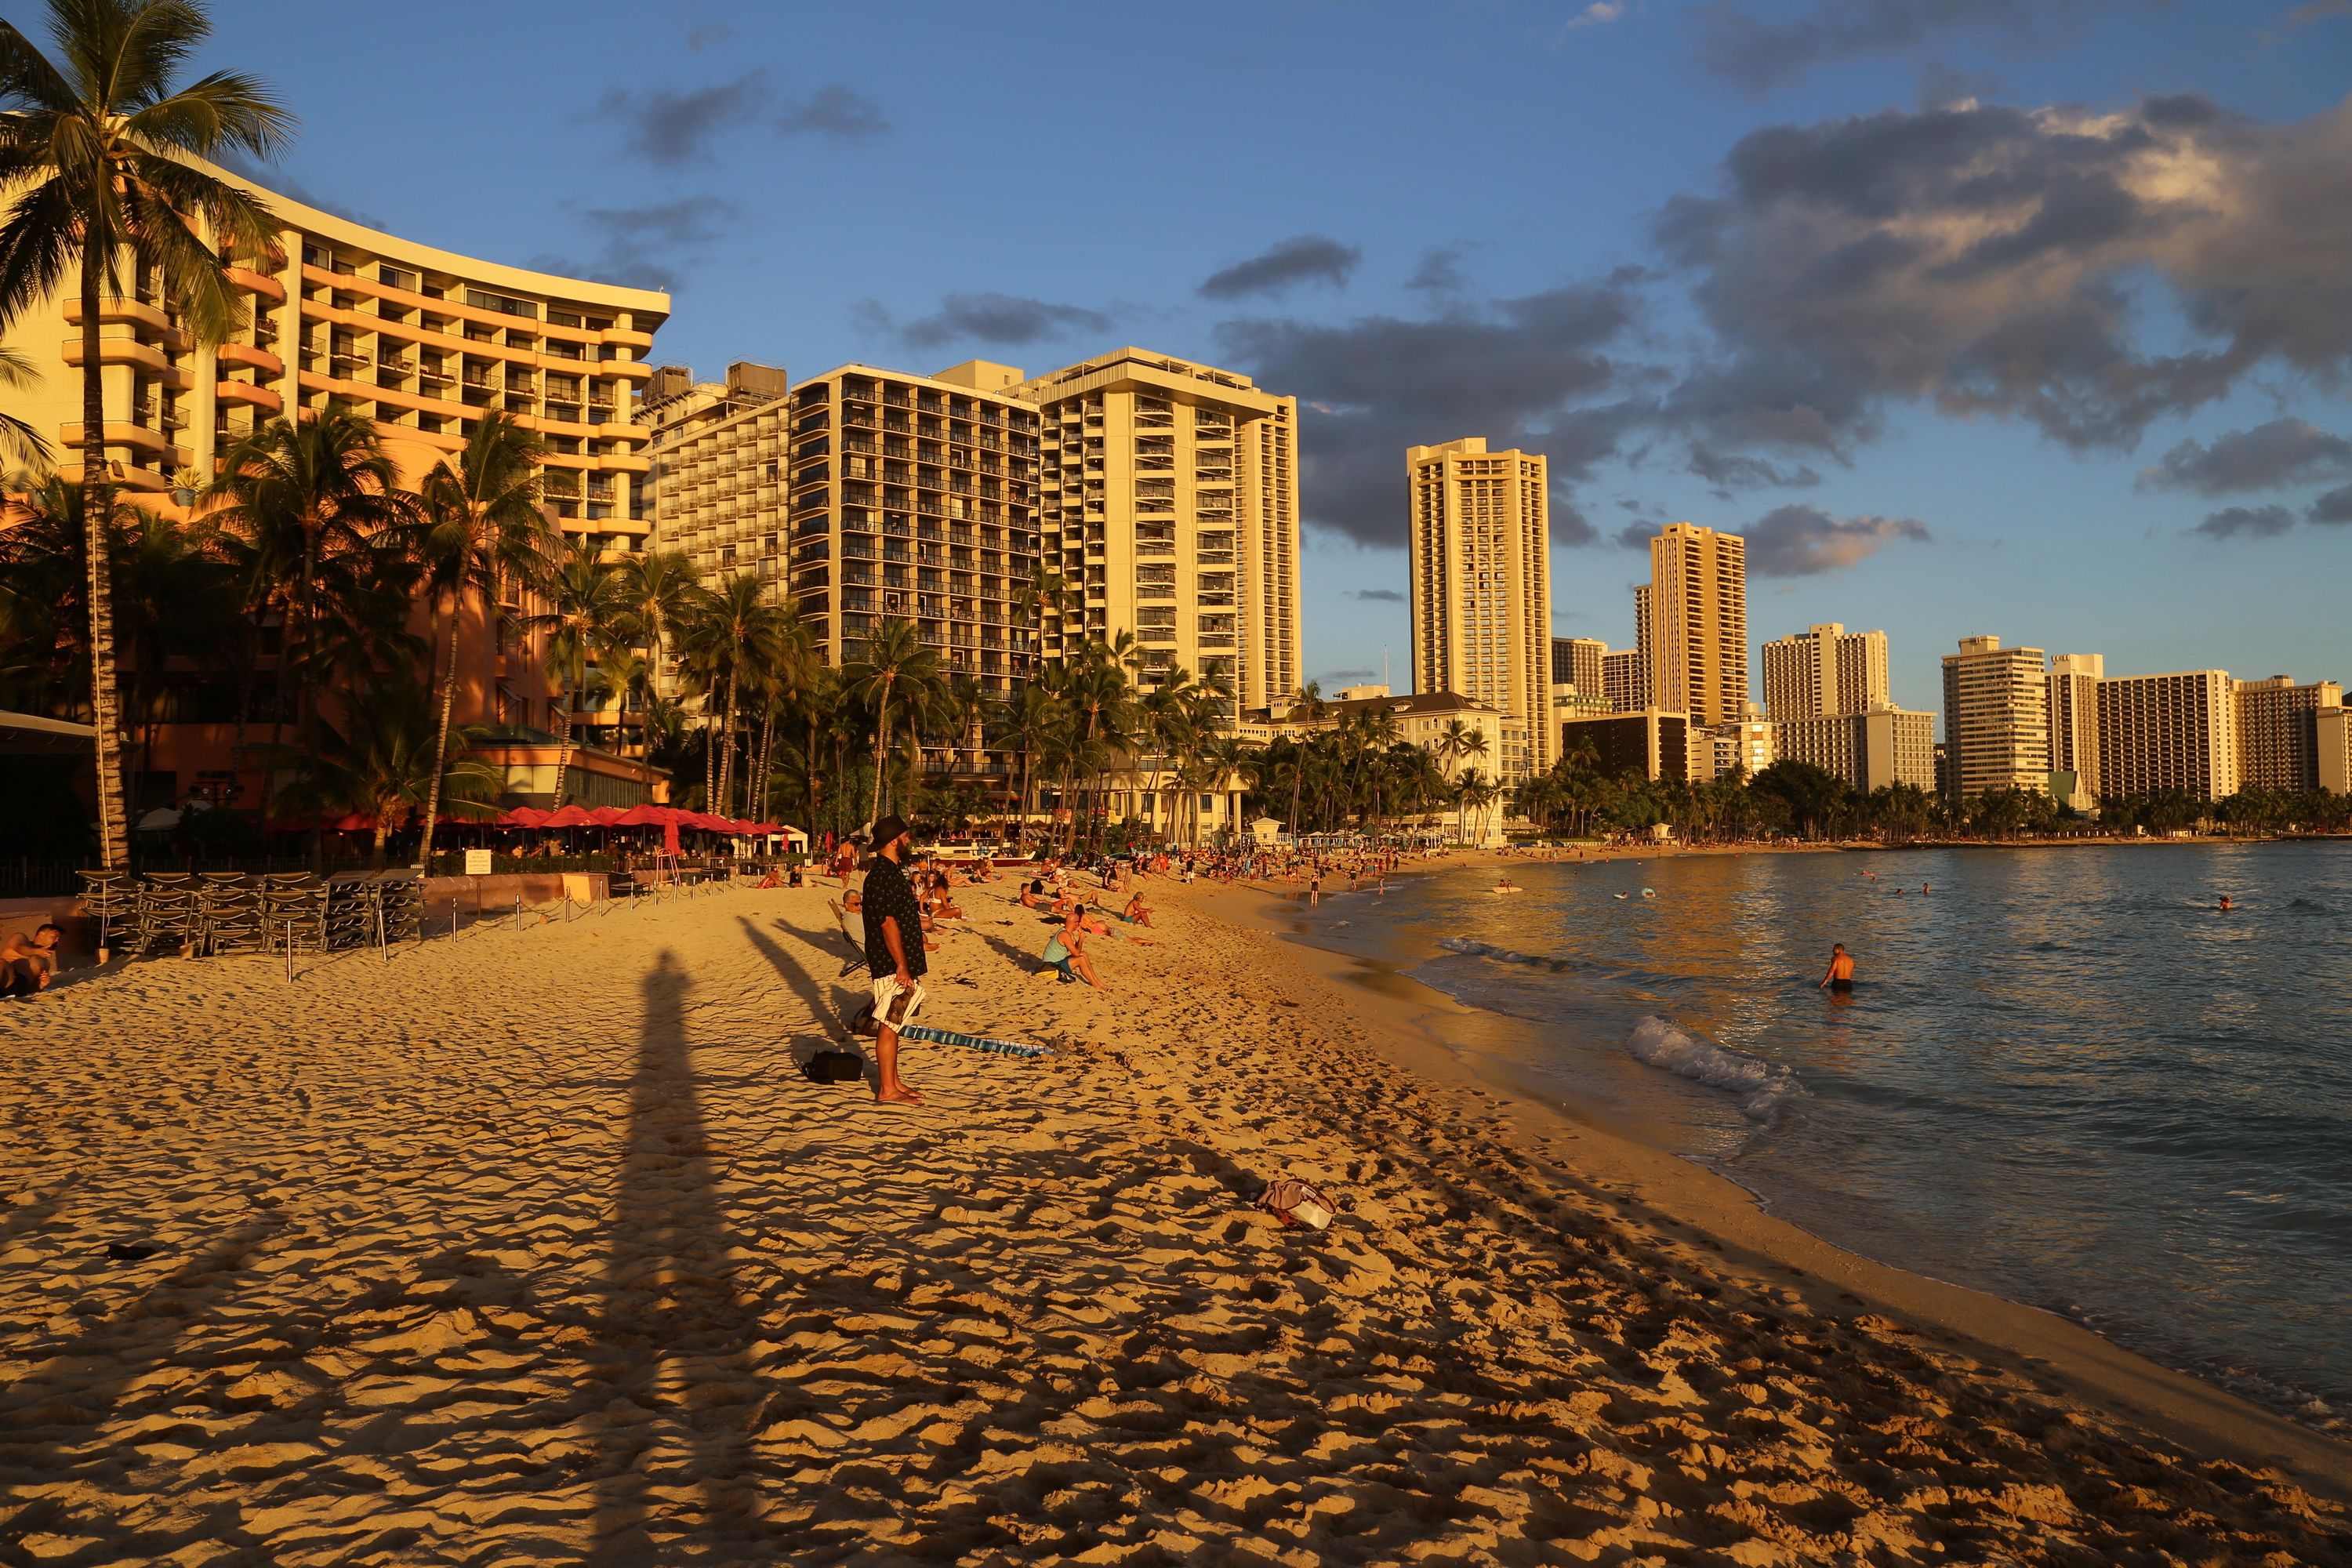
1293	1202
834	1067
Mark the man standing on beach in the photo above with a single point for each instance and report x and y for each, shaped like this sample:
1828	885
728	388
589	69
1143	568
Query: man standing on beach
894	954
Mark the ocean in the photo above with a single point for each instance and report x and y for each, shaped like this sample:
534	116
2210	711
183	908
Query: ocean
2064	1077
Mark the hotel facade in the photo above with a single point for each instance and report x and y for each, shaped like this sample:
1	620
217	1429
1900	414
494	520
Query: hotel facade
1691	624
1481	587
1825	669
1996	718
2159	732
419	340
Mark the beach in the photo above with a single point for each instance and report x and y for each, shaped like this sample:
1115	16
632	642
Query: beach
532	1245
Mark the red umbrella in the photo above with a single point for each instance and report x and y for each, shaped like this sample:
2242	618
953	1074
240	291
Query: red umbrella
523	816
568	816
357	822
669	832
642	816
606	816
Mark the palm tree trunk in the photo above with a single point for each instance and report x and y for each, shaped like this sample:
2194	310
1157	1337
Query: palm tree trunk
96	507
562	737
441	742
307	710
881	744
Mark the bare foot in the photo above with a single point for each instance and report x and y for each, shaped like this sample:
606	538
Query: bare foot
902	1095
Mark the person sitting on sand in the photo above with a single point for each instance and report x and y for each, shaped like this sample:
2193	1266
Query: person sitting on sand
27	964
1032	896
773	878
1065	952
1137	911
1839	981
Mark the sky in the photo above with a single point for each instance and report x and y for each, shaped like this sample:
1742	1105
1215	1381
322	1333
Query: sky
2026	317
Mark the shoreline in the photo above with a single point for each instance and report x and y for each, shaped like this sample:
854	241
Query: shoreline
1660	1186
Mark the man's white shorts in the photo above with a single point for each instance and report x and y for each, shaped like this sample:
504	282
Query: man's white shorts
888	991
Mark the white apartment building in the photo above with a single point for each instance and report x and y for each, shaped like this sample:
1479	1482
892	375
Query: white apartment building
1870	751
1825	669
2074	724
1996	718
1481	599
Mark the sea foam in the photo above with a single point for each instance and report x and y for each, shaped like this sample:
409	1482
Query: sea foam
1761	1087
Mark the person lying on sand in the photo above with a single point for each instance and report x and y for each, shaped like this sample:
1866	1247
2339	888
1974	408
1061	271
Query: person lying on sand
27	964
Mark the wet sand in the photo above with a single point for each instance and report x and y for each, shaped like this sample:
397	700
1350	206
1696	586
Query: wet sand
532	1246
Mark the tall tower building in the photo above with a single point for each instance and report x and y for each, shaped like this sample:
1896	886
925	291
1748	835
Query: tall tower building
1576	661
1169	501
1698	621
2168	731
870	495
1626	680
1996	718
2278	731
1482	585
1825	669
2074	723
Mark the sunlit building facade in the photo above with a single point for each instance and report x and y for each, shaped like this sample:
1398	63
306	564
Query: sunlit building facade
1481	587
1692	623
1825	669
2278	731
1996	718
2160	732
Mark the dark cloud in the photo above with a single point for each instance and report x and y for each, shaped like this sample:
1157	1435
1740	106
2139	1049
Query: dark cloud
1439	272
1942	85
2283	452
643	247
1347	676
1302	259
2252	521
1378	595
835	112
1998	260
1805	541
2304	16
1634	536
1003	320
1762	46
1532	372
670	127
1727	471
2335	506
1568	524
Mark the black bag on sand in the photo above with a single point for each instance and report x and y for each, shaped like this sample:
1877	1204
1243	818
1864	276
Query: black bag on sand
834	1067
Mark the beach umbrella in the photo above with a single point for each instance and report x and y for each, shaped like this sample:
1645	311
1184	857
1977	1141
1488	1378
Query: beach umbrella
669	832
606	816
523	816
641	816
568	816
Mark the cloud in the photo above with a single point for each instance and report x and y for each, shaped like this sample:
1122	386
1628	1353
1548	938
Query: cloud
1347	676
1439	272
1727	471
2335	506
2283	452
1805	541
1378	595
1993	260
1302	259
1600	14
643	247
669	127
2254	521
1004	320
2302	16
1732	40
835	112
1532	372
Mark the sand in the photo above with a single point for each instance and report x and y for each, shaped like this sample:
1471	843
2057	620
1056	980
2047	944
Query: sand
531	1245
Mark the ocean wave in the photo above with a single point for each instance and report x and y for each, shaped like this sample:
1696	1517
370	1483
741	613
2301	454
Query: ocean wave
1474	948
1761	1087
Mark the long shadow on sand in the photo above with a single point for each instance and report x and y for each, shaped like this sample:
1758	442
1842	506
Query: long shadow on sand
672	1321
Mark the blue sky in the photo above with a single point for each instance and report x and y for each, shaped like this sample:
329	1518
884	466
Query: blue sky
2022	316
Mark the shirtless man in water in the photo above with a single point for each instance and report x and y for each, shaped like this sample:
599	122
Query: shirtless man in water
1839	981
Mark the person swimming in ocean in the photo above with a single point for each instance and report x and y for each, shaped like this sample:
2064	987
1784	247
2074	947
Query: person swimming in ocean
1839	981
2225	905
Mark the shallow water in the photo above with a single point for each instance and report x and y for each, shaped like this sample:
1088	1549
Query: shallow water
2063	1077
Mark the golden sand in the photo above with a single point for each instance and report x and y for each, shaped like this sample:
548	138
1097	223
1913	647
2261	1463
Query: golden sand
532	1246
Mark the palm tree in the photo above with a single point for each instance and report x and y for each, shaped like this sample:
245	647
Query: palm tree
1306	707
894	662
587	622
660	587
303	496
741	638
1037	600
94	151
19	442
482	528
380	762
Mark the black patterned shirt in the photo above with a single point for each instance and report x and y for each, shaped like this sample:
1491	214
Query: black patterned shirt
889	893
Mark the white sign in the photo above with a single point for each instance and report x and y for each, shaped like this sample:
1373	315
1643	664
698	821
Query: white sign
477	862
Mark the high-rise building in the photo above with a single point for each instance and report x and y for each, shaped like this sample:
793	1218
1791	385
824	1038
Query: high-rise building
1481	543
2278	731
1697	623
674	405
2333	728
870	495
1626	680
1576	661
1645	648
1870	749
2075	726
1169	502
1649	742
2168	731
418	341
1745	746
1825	669
1996	718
